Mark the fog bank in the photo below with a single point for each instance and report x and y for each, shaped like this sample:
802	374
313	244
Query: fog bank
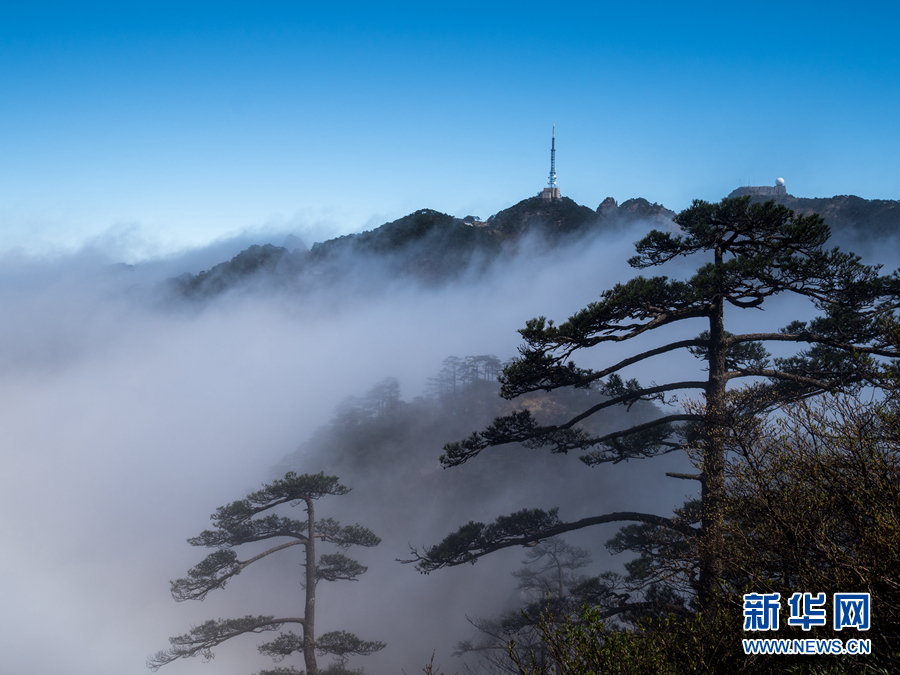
127	420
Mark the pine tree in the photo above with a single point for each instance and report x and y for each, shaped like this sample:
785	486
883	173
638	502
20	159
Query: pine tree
240	523
753	252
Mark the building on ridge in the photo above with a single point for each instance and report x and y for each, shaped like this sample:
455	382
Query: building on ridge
551	192
779	190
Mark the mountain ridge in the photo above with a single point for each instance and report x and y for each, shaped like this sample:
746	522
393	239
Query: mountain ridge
845	212
435	247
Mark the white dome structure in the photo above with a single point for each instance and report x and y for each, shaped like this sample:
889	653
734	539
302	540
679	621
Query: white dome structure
777	190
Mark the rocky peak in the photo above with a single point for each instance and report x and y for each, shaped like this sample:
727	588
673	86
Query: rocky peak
607	206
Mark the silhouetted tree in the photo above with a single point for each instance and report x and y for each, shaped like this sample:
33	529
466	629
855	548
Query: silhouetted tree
484	368
239	523
546	579
446	384
383	398
379	403
753	252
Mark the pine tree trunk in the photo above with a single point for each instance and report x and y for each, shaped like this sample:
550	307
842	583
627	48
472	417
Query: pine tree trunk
713	485
309	616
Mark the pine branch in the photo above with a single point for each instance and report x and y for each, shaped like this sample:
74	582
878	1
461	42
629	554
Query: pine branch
335	566
346	536
214	572
235	526
523	528
201	639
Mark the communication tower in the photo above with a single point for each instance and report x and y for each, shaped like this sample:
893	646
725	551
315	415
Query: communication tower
551	191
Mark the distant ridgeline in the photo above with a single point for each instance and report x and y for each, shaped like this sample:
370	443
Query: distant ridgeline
428	245
434	247
848	213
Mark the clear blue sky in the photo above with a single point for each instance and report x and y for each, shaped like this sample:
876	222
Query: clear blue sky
165	125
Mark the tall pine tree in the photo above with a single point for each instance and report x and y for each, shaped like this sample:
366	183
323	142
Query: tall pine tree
238	524
753	252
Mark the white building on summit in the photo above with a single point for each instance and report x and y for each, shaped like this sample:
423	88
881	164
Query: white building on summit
762	190
551	191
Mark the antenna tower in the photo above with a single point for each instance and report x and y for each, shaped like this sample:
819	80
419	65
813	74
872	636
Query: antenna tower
552	182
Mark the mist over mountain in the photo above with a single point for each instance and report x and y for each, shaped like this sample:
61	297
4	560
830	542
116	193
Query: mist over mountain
428	246
385	446
435	248
358	356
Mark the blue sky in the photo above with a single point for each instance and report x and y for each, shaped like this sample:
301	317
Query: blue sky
147	128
